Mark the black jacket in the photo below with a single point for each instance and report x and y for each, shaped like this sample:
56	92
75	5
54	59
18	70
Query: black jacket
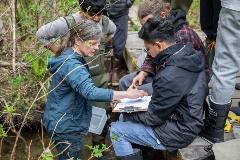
179	89
178	18
119	7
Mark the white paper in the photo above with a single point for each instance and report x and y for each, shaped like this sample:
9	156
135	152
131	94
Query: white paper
137	102
141	58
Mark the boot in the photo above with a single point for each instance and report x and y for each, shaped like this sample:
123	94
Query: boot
137	155
115	72
215	119
108	69
237	86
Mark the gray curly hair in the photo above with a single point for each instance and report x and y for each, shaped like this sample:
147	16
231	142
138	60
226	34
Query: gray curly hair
84	30
154	7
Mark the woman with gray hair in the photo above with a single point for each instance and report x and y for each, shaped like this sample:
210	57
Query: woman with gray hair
69	104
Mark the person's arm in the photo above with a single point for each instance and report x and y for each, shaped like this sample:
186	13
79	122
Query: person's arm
52	30
111	30
81	81
166	96
133	93
148	65
138	80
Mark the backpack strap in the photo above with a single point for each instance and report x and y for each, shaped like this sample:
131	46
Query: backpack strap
70	21
105	22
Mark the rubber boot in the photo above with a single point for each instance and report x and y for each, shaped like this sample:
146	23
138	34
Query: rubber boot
237	86
108	69
215	119
137	155
116	72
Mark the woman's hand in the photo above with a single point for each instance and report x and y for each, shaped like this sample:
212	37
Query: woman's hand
135	93
130	93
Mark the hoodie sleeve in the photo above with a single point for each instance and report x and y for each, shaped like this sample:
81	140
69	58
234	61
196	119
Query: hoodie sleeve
166	96
52	30
78	77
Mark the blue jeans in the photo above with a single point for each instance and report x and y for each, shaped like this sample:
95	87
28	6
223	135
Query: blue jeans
129	132
126	81
75	149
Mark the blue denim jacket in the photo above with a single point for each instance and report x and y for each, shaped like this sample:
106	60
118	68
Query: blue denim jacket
69	106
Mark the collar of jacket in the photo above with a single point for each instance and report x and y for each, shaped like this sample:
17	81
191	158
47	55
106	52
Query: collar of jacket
168	52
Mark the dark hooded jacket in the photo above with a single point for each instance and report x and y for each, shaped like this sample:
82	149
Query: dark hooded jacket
179	89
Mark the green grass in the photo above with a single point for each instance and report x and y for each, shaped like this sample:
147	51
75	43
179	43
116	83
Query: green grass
137	2
193	16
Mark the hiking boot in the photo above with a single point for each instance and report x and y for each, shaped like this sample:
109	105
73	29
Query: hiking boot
237	86
108	69
137	155
115	72
215	119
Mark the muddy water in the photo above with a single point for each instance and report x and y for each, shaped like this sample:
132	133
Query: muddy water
33	136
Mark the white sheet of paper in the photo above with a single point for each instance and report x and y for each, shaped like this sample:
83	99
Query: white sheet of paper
137	102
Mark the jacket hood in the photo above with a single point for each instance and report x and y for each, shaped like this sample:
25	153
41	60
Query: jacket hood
55	62
185	57
178	18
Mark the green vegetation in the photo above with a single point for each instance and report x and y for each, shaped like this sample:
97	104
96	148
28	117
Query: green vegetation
193	16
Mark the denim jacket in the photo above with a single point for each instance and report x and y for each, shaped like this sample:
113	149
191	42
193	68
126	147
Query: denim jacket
69	106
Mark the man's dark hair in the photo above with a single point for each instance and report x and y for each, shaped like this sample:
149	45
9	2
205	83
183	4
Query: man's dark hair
94	6
157	29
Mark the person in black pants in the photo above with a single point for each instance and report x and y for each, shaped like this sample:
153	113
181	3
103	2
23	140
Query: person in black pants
209	15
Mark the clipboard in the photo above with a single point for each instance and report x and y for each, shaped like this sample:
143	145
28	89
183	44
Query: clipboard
133	105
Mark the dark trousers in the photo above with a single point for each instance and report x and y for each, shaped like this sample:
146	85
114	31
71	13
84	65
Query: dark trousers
75	148
120	37
209	15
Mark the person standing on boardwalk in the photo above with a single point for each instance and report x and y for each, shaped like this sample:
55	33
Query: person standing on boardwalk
226	66
209	16
90	9
147	9
175	113
69	103
118	10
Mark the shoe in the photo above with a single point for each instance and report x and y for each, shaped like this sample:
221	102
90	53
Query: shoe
137	155
108	69
209	155
116	72
237	86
